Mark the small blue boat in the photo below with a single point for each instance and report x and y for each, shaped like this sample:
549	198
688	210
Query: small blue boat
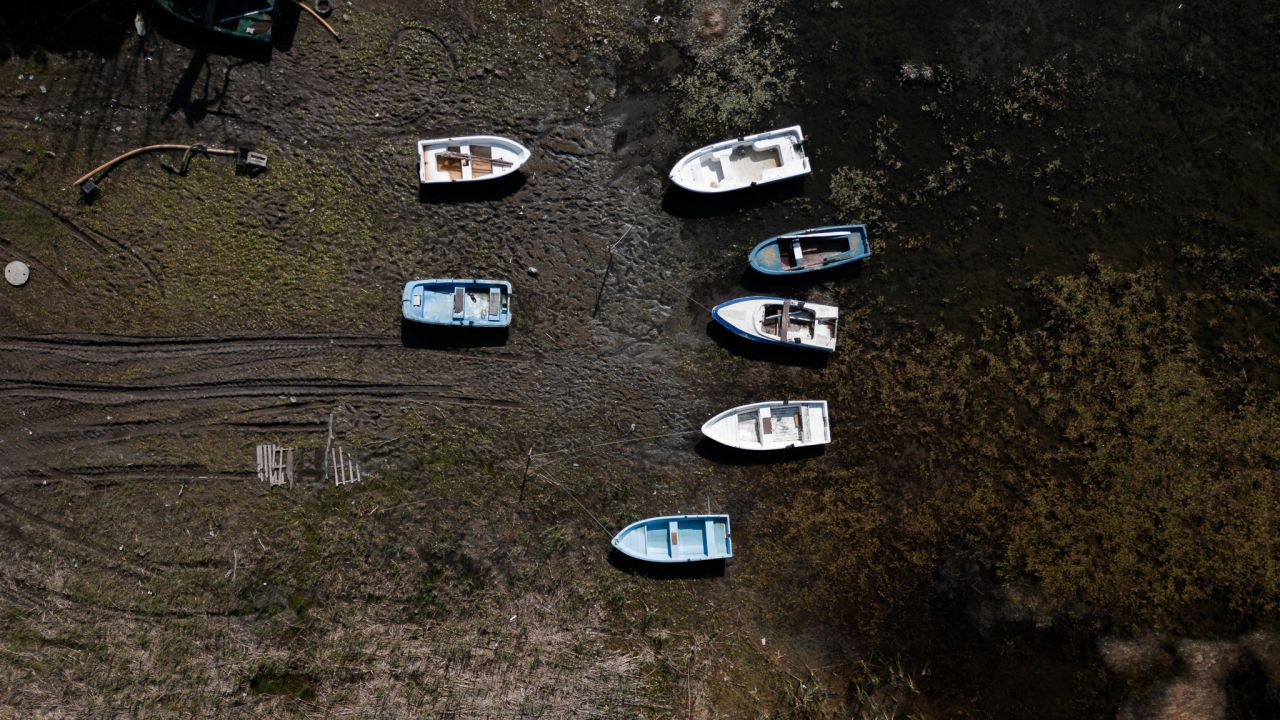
466	303
677	539
813	249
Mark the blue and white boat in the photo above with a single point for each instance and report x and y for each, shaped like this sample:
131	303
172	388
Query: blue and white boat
466	303
813	249
780	321
677	539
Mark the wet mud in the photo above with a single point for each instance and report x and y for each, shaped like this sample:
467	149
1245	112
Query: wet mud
1032	176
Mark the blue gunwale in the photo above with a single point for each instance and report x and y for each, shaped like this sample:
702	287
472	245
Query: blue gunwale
663	522
860	249
715	313
418	315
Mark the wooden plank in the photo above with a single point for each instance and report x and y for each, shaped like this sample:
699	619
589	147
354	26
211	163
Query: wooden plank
784	325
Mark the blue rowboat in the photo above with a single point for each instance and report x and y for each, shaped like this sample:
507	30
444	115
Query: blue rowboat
780	321
677	539
809	250
466	303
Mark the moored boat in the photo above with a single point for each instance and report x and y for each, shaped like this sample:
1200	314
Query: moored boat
772	425
244	19
743	162
813	249
780	321
677	539
469	158
465	303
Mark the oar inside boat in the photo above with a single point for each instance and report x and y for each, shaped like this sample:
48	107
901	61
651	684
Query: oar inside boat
452	155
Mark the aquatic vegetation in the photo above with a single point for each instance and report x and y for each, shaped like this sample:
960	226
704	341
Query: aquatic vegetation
740	70
1089	451
858	194
1166	501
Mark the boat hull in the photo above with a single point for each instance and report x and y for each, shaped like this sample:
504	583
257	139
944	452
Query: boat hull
232	19
743	162
463	159
809	325
811	250
677	539
458	303
772	425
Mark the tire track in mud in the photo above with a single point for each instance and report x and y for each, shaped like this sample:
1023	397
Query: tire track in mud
104	476
94	393
55	431
95	239
115	347
7	246
36	596
70	536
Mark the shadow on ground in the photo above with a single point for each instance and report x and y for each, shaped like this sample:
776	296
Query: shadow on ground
777	354
666	571
685	204
711	450
441	337
759	282
485	191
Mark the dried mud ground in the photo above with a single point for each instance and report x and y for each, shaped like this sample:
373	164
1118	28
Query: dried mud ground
1052	491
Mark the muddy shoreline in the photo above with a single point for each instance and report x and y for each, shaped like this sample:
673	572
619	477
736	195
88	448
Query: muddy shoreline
1049	491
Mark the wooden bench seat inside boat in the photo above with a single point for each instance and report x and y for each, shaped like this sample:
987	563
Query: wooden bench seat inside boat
450	165
459	297
480	163
495	303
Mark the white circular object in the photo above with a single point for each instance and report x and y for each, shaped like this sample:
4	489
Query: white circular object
17	273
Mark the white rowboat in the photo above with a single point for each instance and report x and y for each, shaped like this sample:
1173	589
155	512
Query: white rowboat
772	425
743	162
468	159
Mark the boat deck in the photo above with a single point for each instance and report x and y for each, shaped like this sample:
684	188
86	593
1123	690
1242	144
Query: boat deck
692	538
768	426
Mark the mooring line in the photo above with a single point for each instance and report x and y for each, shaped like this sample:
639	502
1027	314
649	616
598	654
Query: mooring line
566	491
652	274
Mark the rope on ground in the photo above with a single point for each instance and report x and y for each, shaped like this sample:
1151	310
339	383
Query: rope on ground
573	497
613	250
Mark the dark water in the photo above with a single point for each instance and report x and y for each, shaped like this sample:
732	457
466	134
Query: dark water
1122	130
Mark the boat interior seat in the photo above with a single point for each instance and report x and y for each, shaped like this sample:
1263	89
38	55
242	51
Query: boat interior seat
481	165
714	166
450	166
774	173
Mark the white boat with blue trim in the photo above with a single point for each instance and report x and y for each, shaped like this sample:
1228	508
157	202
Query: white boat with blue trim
772	425
677	539
780	321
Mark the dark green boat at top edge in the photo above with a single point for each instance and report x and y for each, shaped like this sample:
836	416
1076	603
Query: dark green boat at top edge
245	19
